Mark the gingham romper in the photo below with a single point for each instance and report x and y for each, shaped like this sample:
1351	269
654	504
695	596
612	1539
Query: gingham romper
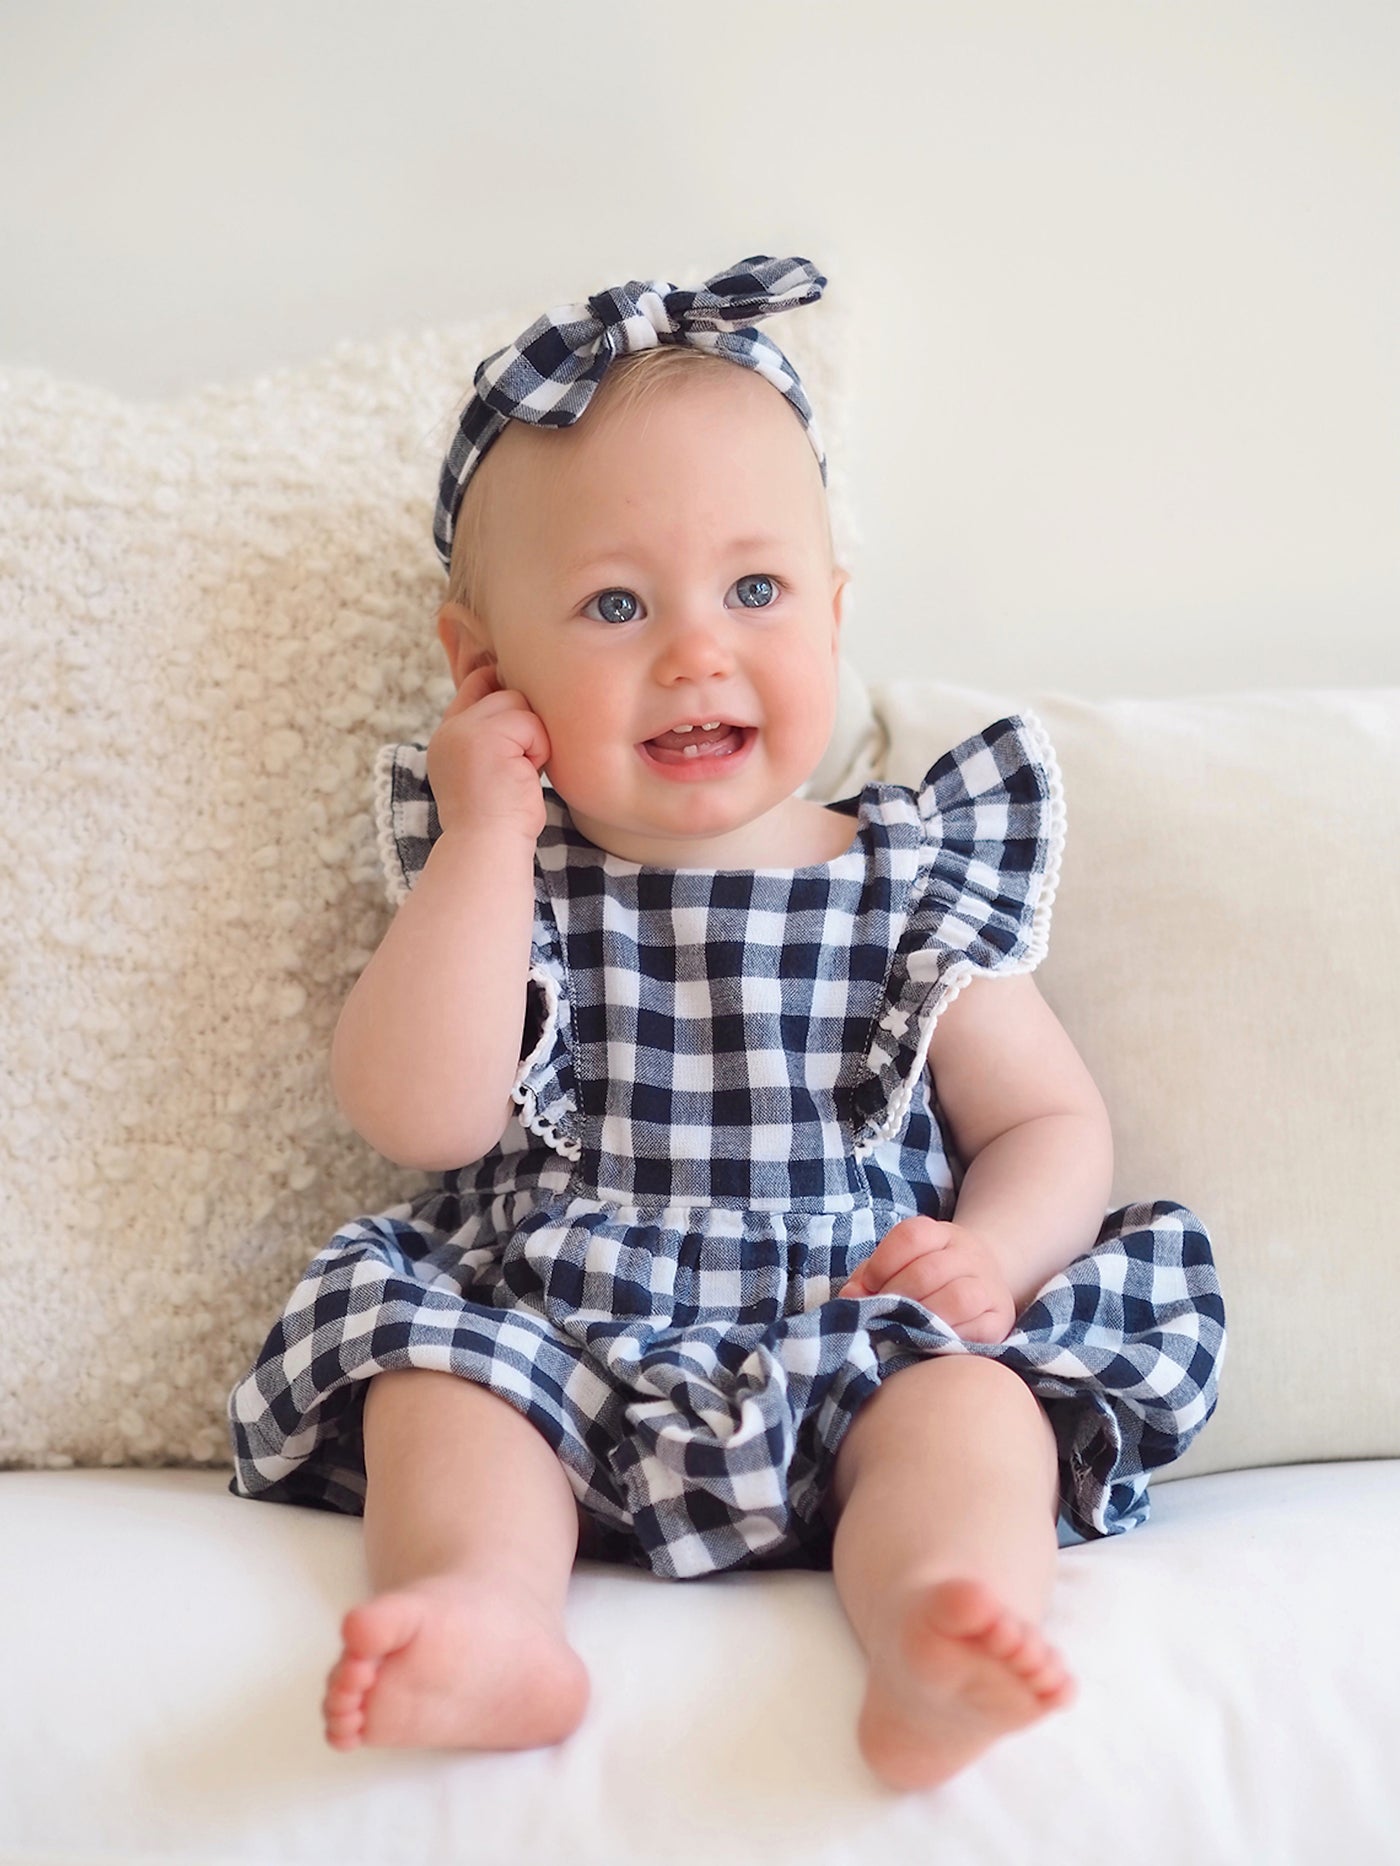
723	1105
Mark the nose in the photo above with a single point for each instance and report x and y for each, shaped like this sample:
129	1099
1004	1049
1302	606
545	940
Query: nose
693	646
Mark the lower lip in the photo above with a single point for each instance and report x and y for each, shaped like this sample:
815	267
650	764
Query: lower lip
702	768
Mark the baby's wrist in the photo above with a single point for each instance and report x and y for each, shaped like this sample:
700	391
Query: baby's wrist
487	839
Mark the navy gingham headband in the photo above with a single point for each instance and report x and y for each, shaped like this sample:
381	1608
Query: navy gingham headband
548	375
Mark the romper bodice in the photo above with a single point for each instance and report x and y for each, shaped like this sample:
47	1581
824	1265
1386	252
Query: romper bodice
756	1039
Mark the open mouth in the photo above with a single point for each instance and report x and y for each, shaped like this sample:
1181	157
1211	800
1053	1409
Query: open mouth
702	749
694	743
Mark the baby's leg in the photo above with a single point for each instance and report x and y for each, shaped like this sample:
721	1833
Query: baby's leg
944	1497
470	1534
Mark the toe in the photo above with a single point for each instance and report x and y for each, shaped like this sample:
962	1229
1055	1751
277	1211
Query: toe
1011	1639
378	1627
1054	1684
345	1729
352	1674
971	1612
1032	1653
962	1609
1054	1694
1038	1662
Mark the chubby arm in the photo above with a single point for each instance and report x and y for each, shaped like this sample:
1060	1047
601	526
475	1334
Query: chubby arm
428	1041
1028	1122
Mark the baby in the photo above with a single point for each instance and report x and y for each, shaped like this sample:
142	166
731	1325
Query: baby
713	1276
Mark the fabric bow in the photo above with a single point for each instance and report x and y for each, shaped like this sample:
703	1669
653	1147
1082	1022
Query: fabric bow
548	375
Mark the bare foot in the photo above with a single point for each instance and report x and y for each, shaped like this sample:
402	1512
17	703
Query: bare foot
451	1662
958	1671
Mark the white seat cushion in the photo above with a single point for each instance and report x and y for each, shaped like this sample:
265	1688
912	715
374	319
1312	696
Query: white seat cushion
1237	1659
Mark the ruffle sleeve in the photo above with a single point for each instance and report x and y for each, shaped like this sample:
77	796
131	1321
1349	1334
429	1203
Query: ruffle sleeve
406	827
991	824
405	816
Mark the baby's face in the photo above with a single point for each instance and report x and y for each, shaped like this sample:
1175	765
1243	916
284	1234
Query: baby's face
660	567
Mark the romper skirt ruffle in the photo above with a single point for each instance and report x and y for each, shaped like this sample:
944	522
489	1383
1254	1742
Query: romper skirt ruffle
706	1440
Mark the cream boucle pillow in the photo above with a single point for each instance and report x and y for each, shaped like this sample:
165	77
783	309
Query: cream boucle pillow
1222	953
212	613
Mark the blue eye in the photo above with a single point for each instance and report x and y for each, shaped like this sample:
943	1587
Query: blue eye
611	602
619	605
763	591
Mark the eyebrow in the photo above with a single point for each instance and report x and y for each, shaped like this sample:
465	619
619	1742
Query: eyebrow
732	547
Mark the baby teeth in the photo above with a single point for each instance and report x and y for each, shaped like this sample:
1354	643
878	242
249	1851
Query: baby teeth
690	751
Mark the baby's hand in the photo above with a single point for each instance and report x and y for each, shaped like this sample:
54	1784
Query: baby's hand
947	1268
486	755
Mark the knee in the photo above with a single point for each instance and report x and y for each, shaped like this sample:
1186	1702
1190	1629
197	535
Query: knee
949	1380
395	1385
970	1396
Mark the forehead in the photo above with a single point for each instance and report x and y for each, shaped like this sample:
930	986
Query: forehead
719	434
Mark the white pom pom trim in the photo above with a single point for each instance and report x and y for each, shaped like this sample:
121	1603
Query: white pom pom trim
525	1096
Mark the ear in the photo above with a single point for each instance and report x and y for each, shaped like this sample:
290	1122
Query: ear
838	592
464	637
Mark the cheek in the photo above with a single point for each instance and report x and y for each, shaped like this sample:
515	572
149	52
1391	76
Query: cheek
812	685
524	662
812	711
527	675
585	742
563	708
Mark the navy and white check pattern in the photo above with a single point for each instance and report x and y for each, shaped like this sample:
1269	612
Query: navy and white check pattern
548	375
705	1151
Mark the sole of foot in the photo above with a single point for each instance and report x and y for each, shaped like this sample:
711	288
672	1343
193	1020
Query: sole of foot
959	1671
453	1663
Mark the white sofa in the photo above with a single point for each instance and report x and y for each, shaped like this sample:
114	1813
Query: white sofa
166	1646
189	886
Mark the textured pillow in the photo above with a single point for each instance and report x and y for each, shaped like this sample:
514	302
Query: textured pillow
1222	953
212	613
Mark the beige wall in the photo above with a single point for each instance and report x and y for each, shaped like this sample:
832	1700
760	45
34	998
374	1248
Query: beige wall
1129	408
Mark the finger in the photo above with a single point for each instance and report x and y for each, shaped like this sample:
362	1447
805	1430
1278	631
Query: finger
978	1314
503	702
920	1282
537	747
960	1299
953	1298
990	1328
904	1245
524	726
475	685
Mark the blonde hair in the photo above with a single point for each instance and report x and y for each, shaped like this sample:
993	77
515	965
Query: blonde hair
630	381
